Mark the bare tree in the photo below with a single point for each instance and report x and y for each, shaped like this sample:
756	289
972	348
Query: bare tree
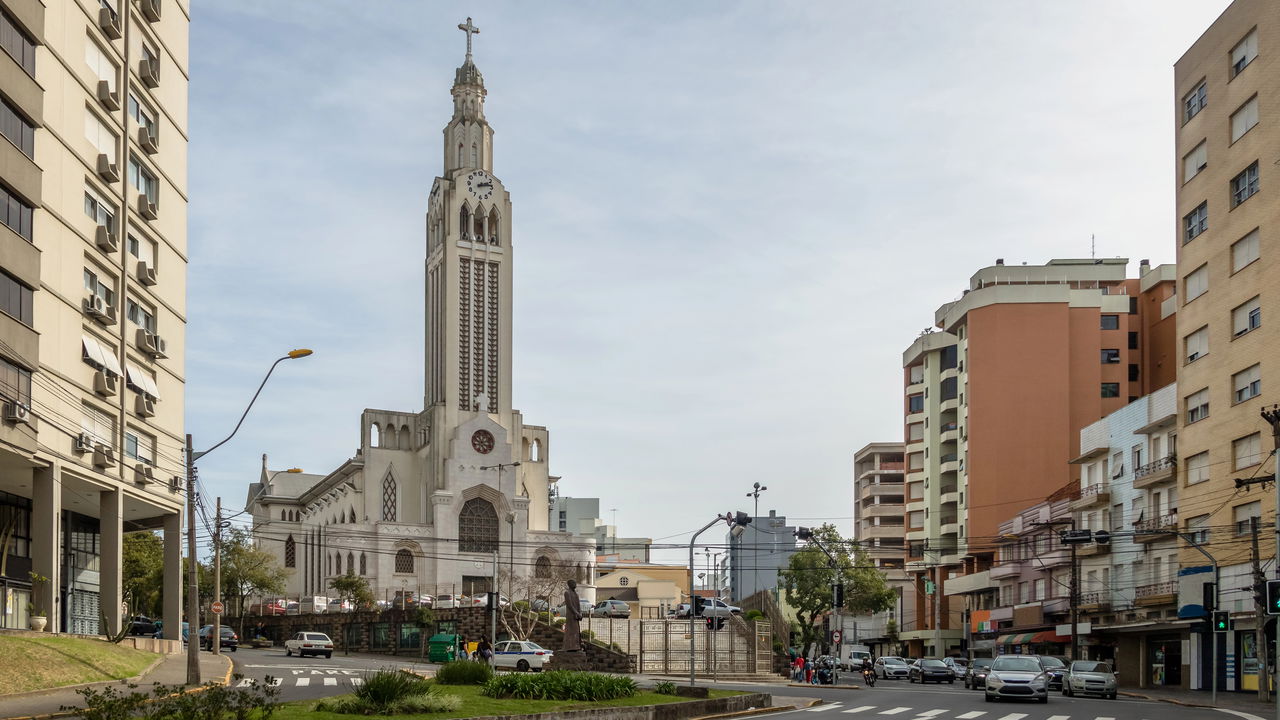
532	595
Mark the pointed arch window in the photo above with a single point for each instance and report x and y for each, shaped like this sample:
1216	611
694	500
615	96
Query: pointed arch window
542	569
351	563
290	553
404	561
389	499
282	514
475	156
364	564
493	226
478	527
459	154
464	223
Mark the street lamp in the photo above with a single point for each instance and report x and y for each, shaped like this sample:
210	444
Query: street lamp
755	545
193	578
737	525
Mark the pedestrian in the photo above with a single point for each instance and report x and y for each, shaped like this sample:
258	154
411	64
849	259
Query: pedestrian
808	670
485	650
797	669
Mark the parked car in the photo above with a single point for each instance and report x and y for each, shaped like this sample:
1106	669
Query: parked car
931	669
975	676
142	625
522	655
584	608
1018	677
612	609
446	602
341	606
159	633
482	600
228	638
309	643
715	607
892	667
1055	668
1086	677
266	609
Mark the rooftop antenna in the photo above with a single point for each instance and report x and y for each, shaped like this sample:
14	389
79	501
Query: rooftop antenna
1093	254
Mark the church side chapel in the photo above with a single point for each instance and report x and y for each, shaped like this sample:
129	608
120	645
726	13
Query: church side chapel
432	499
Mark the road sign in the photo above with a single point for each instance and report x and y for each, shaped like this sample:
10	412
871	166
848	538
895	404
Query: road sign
216	607
835	637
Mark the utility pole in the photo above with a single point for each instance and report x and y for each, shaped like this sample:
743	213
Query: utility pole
1075	601
1260	609
215	637
193	577
1272	416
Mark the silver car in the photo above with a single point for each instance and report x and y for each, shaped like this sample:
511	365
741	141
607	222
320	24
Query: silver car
1085	677
612	609
1018	677
891	667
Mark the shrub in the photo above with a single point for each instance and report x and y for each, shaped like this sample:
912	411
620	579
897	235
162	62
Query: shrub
561	685
384	688
464	672
665	688
212	702
753	615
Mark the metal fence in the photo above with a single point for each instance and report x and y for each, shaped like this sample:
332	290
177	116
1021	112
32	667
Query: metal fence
740	648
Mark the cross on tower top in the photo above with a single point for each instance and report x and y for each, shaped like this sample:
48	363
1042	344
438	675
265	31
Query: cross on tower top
470	30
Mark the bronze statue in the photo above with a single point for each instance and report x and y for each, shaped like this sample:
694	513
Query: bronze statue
572	614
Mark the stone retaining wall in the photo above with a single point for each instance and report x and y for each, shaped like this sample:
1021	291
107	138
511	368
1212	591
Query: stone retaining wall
671	711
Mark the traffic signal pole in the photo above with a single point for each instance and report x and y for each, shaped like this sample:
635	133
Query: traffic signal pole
1272	416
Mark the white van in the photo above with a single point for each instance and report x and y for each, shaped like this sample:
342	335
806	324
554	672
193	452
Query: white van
316	604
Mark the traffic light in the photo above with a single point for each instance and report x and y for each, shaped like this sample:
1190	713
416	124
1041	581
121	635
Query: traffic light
1221	621
715	623
1209	597
839	595
1273	597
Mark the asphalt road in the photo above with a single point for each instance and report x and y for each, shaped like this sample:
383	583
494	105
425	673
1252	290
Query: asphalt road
308	678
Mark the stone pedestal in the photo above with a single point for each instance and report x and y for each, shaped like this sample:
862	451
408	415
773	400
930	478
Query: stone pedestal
567	660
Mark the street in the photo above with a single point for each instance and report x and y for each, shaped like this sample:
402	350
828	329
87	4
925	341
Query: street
308	678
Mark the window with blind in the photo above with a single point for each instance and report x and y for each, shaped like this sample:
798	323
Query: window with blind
139	446
1195	161
100	63
15	126
1194	101
1247	451
1197	406
99	135
1197	344
1244	251
1244	514
1246	317
1196	283
1244	52
15	42
1198	528
98	424
1244	185
1197	468
1243	120
1247	384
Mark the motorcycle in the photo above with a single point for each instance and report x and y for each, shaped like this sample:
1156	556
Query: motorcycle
869	677
823	676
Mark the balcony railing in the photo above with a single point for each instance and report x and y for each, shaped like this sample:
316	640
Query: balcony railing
1164	464
948	457
891	465
1095	598
1169	587
1157	524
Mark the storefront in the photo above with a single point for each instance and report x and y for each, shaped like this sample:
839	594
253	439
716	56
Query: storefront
1164	660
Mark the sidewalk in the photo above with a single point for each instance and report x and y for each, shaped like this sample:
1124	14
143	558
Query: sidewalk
1241	701
171	670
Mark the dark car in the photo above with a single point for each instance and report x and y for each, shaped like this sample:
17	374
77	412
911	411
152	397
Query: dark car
975	677
931	669
1054	669
229	638
142	625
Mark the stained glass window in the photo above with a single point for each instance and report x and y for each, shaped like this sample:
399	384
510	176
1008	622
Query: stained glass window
478	527
389	499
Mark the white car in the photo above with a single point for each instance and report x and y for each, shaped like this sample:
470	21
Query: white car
445	602
715	607
522	655
309	643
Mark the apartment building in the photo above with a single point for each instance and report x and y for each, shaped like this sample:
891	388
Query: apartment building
994	402
755	557
878	527
93	104
1227	129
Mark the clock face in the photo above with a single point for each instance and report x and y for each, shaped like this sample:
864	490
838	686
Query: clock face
480	185
482	441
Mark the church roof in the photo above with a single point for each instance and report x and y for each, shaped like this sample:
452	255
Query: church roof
292	485
468	74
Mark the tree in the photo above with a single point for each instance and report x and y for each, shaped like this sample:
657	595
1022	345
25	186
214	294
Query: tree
810	575
142	567
532	594
354	589
248	570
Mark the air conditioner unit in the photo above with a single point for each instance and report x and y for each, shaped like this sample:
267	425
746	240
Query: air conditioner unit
105	238
146	273
84	443
151	10
151	343
149	139
103	455
109	22
95	306
149	71
107	169
105	383
16	412
143	474
146	208
145	406
109	98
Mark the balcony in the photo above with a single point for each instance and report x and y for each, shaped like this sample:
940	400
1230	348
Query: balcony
1096	495
880	489
1156	529
950	462
1153	473
950	526
914	506
1006	569
950	432
1162	593
1095	602
883	510
883	531
949	496
1055	558
1092	549
949	404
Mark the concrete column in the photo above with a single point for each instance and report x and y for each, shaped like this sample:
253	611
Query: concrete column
111	538
173	576
46	540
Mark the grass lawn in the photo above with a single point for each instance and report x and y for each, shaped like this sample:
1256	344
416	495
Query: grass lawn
31	663
473	704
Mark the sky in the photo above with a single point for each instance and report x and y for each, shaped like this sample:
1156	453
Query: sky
730	219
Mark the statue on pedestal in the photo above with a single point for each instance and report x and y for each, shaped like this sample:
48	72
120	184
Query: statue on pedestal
572	615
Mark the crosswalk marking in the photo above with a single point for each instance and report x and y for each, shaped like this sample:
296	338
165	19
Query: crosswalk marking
824	708
860	708
1014	716
331	681
929	713
974	714
303	682
894	711
357	681
275	682
1068	717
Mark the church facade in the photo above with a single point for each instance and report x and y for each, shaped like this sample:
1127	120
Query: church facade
433	498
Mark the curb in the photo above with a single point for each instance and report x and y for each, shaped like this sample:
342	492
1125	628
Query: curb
825	687
747	713
1171	701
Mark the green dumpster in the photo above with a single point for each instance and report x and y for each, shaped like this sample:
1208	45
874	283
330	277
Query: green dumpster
442	647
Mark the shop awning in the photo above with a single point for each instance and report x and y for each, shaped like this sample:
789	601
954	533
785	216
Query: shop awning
1043	636
1049	636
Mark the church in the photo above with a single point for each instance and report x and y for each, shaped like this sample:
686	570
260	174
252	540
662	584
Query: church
449	499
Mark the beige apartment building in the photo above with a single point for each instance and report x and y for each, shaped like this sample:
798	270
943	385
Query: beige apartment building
879	513
1227	125
93	263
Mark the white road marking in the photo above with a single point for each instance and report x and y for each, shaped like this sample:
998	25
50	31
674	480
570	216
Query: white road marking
1014	716
357	681
894	711
276	681
1238	713
303	682
1102	718
930	713
245	682
979	713
824	708
1062	717
331	681
860	708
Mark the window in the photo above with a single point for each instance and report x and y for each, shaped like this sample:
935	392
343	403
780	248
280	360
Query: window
143	249
364	564
404	561
1110	356
1247	383
1246	317
1110	322
1244	185
1244	52
1110	390
290	553
1195	161
1136	454
1133	374
16	128
1133	341
141	382
99	135
542	568
100	63
102	288
15	42
1194	101
99	355
139	447
1243	120
143	180
1198	527
1197	344
389	498
477	527
15	383
16	299
99	210
1196	283
1244	515
99	425
1198	406
915	403
1133	306
140	316
915	519
1195	222
15	214
141	115
1244	251
1247	451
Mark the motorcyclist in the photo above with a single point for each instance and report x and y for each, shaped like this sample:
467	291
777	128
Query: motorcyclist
868	669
